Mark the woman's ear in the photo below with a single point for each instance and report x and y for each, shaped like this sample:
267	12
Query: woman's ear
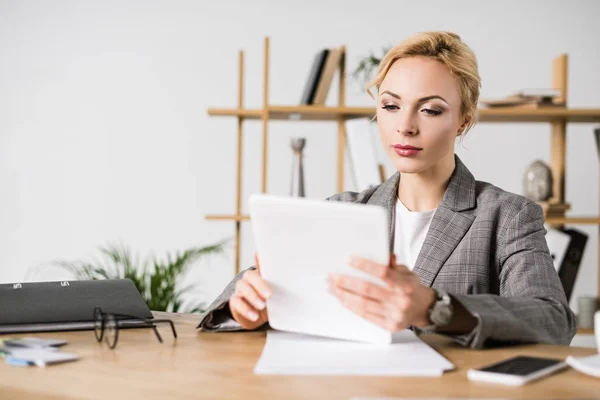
463	126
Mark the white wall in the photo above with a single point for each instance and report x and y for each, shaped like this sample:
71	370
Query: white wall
104	133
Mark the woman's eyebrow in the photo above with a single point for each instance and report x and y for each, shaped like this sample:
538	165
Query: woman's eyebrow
421	100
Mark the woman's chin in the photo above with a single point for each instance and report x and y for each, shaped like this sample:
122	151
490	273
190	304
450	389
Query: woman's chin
409	166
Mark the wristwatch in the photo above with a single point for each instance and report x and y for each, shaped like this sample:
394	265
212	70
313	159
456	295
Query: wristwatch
441	312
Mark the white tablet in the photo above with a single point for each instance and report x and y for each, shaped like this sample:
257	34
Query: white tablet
299	242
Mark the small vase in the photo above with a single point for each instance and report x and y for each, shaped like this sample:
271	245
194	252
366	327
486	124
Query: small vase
297	187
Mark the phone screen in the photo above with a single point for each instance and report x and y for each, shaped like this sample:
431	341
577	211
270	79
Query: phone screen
521	365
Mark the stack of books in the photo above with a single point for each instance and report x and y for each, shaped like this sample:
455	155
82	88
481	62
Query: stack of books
528	98
320	76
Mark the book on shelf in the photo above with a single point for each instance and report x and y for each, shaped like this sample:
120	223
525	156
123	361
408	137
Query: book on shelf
537	92
570	265
566	249
331	65
312	81
366	171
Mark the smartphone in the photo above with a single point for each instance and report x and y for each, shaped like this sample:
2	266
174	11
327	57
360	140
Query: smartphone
517	370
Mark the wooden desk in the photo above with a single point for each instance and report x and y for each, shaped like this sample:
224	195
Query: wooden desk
219	366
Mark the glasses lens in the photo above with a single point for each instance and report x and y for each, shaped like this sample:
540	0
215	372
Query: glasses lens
98	327
110	331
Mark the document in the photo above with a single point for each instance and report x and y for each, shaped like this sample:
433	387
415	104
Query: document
319	236
39	356
287	353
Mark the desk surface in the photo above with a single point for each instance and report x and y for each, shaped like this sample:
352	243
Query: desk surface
219	366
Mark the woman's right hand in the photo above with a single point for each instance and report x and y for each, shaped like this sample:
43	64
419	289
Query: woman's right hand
248	302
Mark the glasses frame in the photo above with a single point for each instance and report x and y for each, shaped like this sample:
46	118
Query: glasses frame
100	317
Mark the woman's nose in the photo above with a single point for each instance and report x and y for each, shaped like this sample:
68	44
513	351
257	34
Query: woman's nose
407	124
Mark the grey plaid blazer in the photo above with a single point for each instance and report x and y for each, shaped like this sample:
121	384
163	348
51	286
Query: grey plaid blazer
487	248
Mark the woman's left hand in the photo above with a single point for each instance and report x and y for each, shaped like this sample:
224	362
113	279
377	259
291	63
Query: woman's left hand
404	302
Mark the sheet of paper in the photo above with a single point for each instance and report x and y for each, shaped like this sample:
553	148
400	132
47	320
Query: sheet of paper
40	356
320	235
288	353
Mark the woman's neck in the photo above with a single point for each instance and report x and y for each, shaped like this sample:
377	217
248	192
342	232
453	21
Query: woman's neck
423	191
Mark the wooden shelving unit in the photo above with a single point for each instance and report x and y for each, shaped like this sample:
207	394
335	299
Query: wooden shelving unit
318	113
557	117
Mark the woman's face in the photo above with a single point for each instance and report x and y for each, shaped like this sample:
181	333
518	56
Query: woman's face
418	113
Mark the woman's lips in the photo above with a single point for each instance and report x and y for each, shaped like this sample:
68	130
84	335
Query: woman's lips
405	150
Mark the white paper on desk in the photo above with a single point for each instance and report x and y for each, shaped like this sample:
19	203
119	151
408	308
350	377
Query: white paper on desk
42	356
288	353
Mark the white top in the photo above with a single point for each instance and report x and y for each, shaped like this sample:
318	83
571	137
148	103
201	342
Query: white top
411	229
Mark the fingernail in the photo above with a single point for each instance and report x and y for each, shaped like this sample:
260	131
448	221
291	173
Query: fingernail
252	315
260	305
266	294
350	260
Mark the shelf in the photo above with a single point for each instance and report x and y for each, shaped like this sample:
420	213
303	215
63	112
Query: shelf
228	218
585	331
320	113
540	115
234	112
573	220
552	220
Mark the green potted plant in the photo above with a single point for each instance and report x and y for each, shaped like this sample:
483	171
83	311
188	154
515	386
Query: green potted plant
367	65
158	280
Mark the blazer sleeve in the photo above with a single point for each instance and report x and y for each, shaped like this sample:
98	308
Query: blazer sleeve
532	306
217	318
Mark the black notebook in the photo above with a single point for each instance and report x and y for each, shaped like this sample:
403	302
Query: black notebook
67	305
569	268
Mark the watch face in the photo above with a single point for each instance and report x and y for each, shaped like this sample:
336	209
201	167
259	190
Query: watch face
441	314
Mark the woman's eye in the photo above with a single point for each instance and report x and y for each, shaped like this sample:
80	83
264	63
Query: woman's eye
390	107
431	112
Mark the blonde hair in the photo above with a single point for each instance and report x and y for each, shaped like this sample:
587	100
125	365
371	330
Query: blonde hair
450	50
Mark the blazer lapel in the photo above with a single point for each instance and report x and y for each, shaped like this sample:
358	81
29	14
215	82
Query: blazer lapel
449	225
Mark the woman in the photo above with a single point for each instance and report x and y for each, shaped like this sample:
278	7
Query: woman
469	260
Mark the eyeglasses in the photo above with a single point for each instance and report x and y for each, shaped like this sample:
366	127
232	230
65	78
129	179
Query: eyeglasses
106	326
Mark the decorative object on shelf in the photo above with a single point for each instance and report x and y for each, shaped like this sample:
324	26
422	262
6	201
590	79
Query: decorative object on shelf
297	187
587	307
159	284
537	181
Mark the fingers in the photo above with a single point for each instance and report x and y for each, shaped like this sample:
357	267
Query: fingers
257	262
361	305
360	286
392	307
258	284
243	312
245	291
378	313
368	266
248	303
